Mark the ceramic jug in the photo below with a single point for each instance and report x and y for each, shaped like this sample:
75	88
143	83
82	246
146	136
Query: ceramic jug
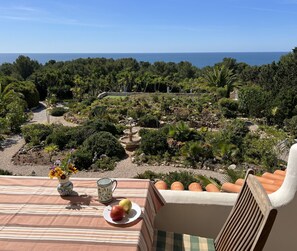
105	188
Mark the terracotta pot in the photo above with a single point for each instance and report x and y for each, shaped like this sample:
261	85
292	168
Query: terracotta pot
177	185
161	185
212	188
195	187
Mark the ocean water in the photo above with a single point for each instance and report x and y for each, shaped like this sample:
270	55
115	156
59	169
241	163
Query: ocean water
197	59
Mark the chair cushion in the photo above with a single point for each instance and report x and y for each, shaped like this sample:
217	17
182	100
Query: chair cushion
170	241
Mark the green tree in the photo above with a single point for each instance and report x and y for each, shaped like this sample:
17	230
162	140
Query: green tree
15	115
27	90
79	89
9	99
24	66
6	69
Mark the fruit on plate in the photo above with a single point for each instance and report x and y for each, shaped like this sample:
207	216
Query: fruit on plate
117	213
126	204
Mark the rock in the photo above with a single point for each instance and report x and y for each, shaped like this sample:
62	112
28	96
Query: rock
232	167
103	156
142	157
132	159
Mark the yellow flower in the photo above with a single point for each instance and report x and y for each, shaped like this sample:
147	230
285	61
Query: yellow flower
62	169
72	169
52	173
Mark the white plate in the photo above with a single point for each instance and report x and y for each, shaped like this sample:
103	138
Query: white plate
133	215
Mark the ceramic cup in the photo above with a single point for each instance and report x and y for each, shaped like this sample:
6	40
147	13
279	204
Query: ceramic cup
105	188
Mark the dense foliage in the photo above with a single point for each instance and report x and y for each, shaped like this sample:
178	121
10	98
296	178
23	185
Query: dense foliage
58	111
206	126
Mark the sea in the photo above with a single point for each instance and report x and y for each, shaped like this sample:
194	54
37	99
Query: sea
198	59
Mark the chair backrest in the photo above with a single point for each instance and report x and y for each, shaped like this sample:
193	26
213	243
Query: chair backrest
250	220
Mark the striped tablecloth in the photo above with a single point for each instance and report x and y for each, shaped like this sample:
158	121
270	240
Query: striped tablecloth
34	217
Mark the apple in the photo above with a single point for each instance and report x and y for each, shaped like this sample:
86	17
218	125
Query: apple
126	204
117	213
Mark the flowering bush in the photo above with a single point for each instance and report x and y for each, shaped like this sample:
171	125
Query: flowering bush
62	169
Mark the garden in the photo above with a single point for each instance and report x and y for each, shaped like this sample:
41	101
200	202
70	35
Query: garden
229	116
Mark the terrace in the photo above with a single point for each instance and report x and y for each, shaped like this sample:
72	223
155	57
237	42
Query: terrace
204	213
197	213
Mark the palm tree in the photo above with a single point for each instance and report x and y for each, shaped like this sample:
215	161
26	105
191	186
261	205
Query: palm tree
180	131
227	151
196	151
221	76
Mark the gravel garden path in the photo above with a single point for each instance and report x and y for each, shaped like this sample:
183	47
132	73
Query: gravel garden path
124	169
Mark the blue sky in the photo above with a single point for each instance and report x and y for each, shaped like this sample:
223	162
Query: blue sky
147	25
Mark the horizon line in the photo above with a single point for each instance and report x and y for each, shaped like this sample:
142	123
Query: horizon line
143	52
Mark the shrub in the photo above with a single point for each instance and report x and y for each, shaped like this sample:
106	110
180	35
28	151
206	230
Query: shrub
60	136
221	91
148	174
181	113
104	143
35	133
143	131
234	175
58	111
83	159
105	164
228	107
77	135
88	101
155	98
149	121
195	151
154	143
182	132
5	172
98	125
50	150
135	112
260	152
291	126
235	131
3	125
253	101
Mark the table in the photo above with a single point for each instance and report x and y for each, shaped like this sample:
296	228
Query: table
34	217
